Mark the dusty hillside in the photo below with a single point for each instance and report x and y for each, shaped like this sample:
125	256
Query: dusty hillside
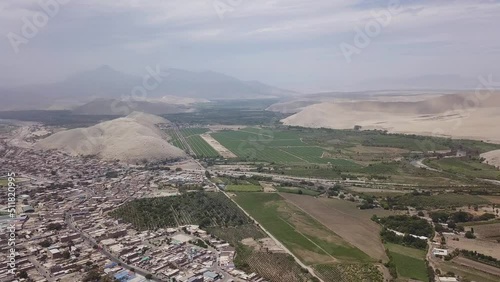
458	115
492	158
132	138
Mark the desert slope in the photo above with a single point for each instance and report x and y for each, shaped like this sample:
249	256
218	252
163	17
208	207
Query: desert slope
459	116
492	158
129	139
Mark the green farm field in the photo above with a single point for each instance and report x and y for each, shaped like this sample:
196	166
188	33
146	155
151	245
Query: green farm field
410	262
191	136
284	147
308	239
243	188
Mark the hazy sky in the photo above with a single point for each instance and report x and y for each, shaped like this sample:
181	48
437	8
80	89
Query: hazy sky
295	44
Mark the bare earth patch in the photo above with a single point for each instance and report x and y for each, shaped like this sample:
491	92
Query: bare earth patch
489	232
477	265
223	151
267	186
354	227
481	246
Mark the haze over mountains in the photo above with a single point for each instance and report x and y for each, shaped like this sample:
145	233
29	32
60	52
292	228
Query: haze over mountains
105	82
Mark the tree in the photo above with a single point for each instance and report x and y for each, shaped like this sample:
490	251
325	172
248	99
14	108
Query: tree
470	235
300	192
148	276
207	174
23	274
92	276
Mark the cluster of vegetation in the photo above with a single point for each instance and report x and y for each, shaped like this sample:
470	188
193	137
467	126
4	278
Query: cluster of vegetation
200	208
406	240
458	217
234	235
349	272
391	265
229	116
426	200
296	190
473	255
407	225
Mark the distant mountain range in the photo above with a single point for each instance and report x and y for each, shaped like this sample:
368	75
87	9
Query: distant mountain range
105	82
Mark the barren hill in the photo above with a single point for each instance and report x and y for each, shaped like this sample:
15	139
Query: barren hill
492	158
457	115
130	139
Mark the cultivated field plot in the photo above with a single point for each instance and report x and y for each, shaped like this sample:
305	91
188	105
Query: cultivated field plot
275	267
285	147
477	265
189	140
489	232
466	167
346	220
243	188
466	272
349	272
410	262
308	239
485	247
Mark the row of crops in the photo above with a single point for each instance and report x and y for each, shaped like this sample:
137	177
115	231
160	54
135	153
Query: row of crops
274	267
349	273
273	146
200	208
189	140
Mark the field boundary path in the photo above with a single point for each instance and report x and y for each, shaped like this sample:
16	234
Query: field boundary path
319	247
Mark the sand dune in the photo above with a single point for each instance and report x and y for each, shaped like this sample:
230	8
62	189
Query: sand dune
492	158
130	139
460	116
